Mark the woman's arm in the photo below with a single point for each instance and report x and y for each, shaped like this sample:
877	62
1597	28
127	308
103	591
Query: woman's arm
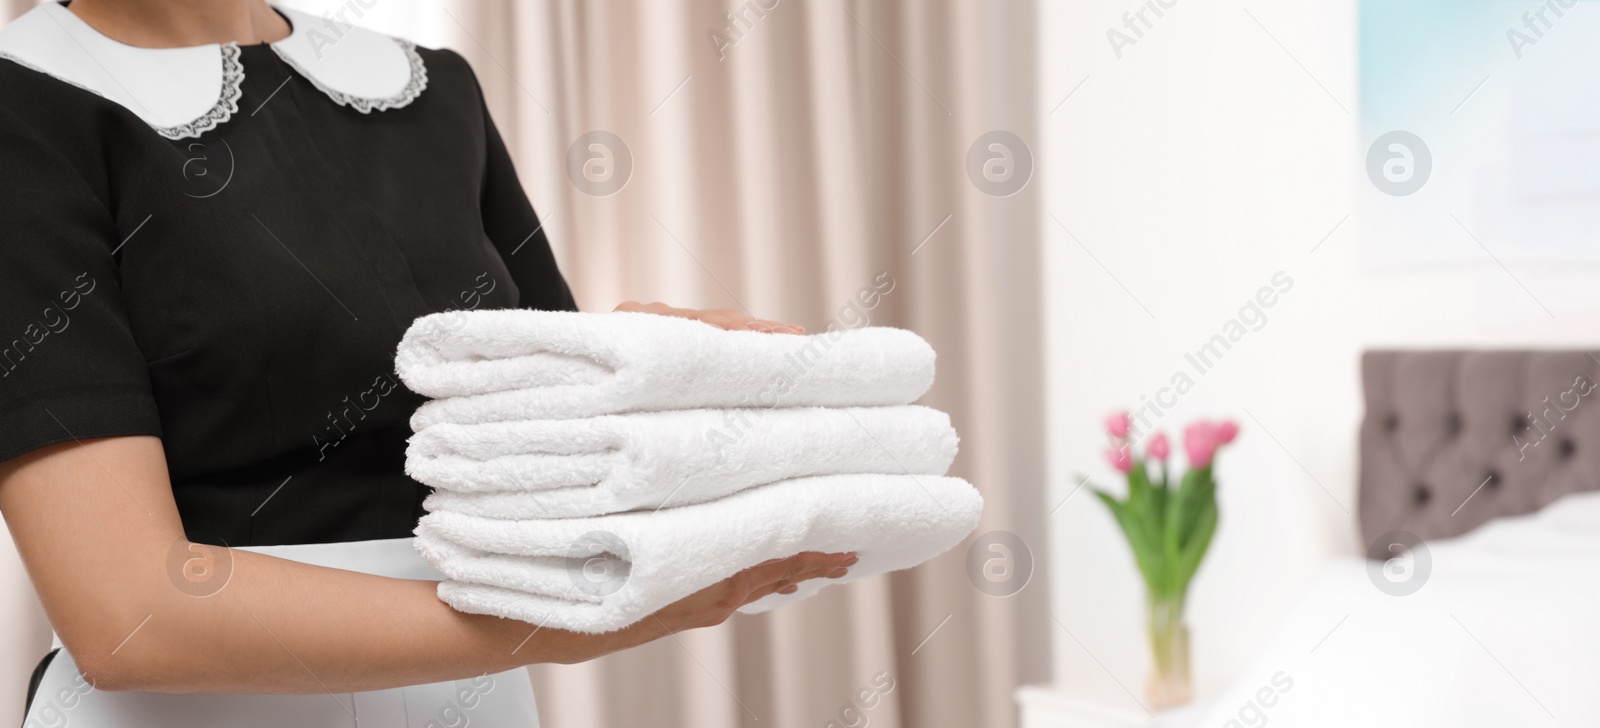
95	523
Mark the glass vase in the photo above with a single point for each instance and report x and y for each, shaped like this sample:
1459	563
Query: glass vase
1169	684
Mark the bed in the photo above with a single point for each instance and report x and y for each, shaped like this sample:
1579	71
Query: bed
1480	497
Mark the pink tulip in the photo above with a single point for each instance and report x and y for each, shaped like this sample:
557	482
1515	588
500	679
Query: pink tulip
1227	431
1121	458
1200	442
1119	425
1158	447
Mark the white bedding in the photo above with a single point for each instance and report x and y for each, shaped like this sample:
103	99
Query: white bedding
1504	633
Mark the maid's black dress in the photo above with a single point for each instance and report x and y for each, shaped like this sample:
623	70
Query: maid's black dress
222	246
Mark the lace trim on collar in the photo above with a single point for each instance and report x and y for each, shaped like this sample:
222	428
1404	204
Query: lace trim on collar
227	98
413	87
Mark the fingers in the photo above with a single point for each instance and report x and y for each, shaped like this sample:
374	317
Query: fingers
736	321
793	566
784	575
766	326
721	318
716	603
761	593
792	584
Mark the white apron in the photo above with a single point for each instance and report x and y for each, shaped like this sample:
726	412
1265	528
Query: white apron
502	700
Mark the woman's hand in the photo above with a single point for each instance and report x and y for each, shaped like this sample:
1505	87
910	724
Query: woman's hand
721	318
713	605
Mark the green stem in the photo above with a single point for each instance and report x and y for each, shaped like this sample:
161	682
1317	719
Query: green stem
1169	643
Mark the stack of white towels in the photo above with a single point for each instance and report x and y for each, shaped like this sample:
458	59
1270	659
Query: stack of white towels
592	468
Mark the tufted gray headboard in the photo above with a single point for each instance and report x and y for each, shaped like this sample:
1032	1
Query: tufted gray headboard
1454	438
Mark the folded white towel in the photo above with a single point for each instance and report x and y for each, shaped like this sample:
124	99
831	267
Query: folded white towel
616	463
605	573
498	366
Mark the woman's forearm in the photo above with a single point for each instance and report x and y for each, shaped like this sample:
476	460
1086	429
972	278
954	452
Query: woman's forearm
284	627
97	528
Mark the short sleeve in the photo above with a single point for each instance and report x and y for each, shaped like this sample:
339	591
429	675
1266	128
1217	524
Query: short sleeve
69	367
516	230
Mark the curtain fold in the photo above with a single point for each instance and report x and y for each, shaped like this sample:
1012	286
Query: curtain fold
784	159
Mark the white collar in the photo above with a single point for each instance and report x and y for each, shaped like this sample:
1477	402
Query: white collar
185	92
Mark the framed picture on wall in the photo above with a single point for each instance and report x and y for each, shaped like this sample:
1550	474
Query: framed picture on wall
1481	123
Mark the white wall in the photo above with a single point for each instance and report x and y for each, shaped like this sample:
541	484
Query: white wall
24	634
1194	168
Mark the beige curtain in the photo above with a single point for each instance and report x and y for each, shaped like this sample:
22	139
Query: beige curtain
783	162
780	163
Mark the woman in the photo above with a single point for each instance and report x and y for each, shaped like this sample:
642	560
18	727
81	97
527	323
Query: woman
219	218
